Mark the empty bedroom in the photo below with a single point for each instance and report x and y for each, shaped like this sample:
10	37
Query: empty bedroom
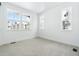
39	28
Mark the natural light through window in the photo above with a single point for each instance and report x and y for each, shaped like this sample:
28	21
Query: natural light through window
17	21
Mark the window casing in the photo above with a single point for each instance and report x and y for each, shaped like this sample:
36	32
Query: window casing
17	21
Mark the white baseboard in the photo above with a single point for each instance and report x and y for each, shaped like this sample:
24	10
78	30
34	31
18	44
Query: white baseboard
20	39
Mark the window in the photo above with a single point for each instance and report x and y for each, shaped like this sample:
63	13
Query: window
42	21
66	19
17	21
25	22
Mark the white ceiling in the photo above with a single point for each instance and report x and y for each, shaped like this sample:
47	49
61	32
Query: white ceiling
37	7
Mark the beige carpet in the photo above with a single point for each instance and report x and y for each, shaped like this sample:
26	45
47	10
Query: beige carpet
37	47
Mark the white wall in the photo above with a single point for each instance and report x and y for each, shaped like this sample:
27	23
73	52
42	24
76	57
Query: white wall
1	25
52	26
0	22
11	36
52	31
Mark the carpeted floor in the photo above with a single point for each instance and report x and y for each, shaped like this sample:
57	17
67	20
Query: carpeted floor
37	47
